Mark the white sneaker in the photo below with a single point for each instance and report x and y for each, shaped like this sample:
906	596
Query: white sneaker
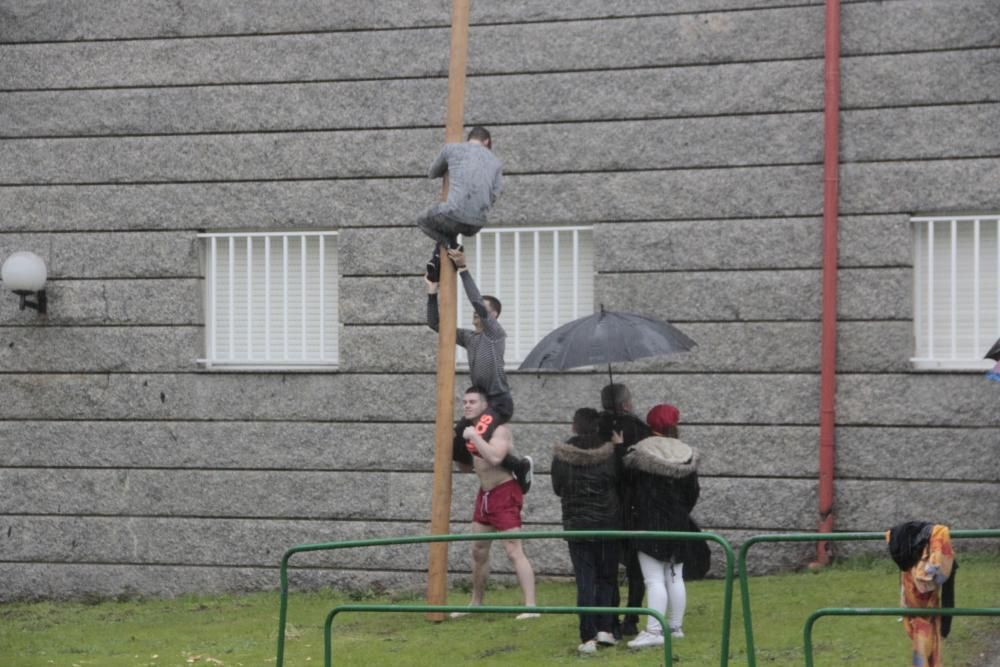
645	639
587	647
526	615
677	633
606	639
460	614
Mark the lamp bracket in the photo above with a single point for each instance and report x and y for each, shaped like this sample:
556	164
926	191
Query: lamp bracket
40	303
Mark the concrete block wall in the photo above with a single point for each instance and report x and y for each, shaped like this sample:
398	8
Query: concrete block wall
688	134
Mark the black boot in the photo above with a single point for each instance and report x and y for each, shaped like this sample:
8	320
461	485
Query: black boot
434	265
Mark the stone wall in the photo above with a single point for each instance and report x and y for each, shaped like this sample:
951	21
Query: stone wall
689	134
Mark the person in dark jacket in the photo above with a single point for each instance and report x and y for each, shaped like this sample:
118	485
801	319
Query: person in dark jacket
616	400
585	473
664	472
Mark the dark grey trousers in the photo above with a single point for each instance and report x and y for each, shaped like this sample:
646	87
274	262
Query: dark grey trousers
443	229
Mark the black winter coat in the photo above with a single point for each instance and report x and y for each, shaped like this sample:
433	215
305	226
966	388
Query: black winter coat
585	475
633	430
665	492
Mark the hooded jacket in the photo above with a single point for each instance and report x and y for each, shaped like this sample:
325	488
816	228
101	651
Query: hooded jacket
666	491
585	475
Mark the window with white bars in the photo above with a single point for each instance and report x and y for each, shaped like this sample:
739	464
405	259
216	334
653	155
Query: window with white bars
271	299
956	290
543	277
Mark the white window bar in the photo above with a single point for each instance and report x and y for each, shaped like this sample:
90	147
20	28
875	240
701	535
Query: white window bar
953	284
537	285
517	296
284	294
244	319
249	298
303	306
267	298
555	280
975	284
212	299
232	298
322	297
919	318
576	273
496	269
930	289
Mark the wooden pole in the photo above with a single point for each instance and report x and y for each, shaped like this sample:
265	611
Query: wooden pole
437	569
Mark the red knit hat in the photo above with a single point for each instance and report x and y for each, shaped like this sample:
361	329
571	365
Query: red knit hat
662	416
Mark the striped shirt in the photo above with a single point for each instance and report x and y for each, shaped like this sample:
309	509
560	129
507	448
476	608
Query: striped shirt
486	349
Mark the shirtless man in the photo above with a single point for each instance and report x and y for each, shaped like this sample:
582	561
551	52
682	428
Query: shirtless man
498	503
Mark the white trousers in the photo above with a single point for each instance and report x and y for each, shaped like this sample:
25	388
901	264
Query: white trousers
664	587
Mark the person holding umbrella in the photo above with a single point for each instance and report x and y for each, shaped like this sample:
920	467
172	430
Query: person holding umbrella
616	399
664	471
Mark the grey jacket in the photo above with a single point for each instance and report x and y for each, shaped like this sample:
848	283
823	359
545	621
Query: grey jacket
475	180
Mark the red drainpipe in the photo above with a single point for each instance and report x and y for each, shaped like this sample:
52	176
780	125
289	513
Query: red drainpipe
828	345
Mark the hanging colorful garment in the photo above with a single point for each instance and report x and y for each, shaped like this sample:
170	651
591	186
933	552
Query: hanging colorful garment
926	560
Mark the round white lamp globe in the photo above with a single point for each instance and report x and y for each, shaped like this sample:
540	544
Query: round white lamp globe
24	272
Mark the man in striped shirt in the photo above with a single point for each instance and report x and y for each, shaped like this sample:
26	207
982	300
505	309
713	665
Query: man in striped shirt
485	344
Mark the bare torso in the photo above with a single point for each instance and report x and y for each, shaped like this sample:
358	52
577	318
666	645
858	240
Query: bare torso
490	476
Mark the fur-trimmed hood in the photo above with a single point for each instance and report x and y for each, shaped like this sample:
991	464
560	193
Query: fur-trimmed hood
667	457
571	453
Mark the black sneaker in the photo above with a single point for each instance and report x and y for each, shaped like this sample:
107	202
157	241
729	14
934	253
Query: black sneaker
525	473
434	267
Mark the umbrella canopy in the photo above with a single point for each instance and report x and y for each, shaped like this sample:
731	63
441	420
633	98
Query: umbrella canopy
604	338
994	352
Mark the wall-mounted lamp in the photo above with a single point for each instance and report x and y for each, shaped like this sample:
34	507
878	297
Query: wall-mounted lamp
24	274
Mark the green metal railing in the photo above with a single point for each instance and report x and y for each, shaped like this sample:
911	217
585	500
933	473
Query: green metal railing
861	611
520	535
813	537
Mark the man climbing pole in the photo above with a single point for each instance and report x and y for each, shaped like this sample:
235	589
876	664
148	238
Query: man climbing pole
485	344
475	180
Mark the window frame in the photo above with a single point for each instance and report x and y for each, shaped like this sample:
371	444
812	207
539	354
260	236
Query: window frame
924	282
208	242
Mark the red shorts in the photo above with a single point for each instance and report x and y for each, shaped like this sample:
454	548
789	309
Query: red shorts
500	507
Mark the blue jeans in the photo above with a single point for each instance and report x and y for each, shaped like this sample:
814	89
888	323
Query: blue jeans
595	566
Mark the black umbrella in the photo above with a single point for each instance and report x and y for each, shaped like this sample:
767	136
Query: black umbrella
604	338
994	352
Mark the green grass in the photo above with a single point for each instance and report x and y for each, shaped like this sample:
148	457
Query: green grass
241	630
